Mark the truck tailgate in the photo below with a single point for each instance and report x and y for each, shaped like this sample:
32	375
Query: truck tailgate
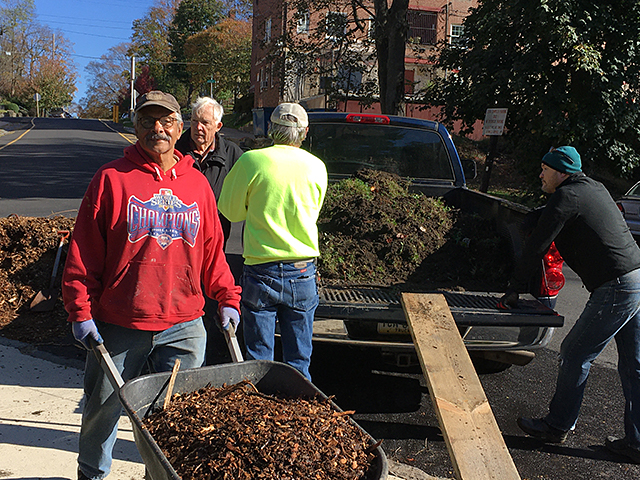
468	308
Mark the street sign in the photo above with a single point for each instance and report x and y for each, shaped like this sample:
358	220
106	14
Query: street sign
494	120
37	97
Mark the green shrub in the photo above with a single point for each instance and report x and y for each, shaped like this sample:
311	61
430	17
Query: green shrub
11	106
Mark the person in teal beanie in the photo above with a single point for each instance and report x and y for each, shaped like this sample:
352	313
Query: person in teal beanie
594	240
564	160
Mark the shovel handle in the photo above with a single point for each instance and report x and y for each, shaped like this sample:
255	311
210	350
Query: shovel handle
106	362
63	236
232	343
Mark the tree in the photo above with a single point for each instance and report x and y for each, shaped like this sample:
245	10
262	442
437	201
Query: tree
34	59
191	17
221	53
54	84
150	40
390	33
569	72
17	17
109	82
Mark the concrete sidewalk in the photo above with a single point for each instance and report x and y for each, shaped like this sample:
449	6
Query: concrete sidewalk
40	411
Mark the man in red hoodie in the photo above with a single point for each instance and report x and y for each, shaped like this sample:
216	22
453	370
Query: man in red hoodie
146	241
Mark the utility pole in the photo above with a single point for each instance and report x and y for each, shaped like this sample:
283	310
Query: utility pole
133	91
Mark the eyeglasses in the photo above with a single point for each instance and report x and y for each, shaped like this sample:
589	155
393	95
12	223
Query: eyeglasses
150	122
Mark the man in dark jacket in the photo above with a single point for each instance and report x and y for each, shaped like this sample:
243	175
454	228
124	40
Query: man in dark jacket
594	240
213	154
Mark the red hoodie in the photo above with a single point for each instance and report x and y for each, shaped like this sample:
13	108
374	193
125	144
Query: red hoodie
143	244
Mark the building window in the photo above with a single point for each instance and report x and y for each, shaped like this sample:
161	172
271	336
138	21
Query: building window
303	22
457	31
422	27
335	25
348	80
267	30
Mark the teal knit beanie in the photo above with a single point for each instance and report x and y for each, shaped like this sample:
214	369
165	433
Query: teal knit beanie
564	160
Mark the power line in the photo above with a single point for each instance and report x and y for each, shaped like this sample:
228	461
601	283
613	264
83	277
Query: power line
94	35
85	56
84	19
87	25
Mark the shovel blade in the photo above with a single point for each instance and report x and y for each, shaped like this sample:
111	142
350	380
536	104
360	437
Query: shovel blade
44	301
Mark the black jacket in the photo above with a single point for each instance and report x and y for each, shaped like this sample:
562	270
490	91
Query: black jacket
215	165
589	232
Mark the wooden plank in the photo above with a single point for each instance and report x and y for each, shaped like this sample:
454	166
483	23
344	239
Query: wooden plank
472	436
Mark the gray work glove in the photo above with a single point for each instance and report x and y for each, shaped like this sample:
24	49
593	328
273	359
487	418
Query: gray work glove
508	301
229	315
82	331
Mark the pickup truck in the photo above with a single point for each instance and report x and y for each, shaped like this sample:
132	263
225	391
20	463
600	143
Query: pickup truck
372	317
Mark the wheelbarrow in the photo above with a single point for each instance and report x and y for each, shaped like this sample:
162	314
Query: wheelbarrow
143	395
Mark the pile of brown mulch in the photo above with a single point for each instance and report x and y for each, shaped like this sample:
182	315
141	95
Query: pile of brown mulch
375	231
28	247
236	432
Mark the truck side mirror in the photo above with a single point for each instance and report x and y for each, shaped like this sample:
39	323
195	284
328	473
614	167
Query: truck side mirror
470	168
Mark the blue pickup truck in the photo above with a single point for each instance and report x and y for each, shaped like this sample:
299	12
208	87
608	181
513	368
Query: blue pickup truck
372	317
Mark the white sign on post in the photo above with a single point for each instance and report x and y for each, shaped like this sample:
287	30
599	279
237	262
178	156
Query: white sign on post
494	121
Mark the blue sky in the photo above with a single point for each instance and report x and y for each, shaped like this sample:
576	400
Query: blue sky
93	26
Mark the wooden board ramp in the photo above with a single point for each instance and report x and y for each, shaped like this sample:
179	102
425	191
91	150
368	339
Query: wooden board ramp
470	431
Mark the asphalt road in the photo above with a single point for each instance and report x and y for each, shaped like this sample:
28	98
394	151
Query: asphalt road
46	171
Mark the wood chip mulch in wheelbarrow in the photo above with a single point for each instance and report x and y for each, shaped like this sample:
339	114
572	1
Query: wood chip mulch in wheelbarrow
236	432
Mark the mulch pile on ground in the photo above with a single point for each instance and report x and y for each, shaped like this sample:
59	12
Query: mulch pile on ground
236	432
28	247
375	231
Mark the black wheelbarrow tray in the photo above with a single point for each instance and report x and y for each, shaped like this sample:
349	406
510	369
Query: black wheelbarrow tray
143	395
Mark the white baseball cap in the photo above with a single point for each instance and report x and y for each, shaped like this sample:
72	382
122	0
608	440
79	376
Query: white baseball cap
293	109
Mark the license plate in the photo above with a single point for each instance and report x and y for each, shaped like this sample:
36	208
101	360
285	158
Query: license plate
393	329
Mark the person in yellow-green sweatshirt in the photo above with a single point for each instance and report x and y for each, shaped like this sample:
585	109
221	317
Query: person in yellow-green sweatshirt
278	191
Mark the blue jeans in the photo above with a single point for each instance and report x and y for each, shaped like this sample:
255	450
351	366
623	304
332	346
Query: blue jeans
285	293
613	311
130	350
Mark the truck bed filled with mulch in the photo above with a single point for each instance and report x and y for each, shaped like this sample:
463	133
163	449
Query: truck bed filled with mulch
373	230
236	432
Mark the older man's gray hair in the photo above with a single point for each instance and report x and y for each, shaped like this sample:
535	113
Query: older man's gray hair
218	110
286	135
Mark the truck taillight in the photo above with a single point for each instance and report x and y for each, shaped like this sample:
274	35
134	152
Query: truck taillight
552	278
368	118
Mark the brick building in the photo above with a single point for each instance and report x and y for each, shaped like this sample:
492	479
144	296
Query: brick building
275	77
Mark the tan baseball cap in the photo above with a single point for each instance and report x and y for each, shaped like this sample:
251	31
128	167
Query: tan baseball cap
293	109
156	97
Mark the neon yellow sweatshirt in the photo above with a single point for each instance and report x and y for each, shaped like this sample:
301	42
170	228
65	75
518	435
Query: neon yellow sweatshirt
279	191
